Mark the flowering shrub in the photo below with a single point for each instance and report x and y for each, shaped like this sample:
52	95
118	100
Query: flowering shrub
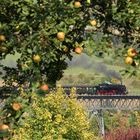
55	116
122	119
135	118
116	120
122	134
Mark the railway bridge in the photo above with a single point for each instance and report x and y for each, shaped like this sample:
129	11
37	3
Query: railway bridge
113	102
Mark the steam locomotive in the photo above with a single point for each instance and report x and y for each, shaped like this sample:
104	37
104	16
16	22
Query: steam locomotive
101	89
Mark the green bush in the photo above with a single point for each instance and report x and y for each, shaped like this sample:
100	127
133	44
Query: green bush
54	117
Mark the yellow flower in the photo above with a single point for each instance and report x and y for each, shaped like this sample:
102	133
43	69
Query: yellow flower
58	118
52	131
62	130
60	137
48	114
49	138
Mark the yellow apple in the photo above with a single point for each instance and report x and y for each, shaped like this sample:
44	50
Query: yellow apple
128	60
131	52
77	4
4	127
93	22
36	58
78	50
16	106
2	38
61	36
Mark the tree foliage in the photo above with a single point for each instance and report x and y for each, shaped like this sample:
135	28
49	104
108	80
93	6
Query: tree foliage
30	28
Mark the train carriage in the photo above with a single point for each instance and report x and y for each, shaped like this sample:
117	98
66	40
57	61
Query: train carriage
101	89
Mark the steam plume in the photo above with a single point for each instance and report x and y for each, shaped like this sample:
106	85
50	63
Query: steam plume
88	62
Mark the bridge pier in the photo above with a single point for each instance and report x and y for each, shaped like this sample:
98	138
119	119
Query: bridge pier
101	122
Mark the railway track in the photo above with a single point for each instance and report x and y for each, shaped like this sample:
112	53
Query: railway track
88	97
